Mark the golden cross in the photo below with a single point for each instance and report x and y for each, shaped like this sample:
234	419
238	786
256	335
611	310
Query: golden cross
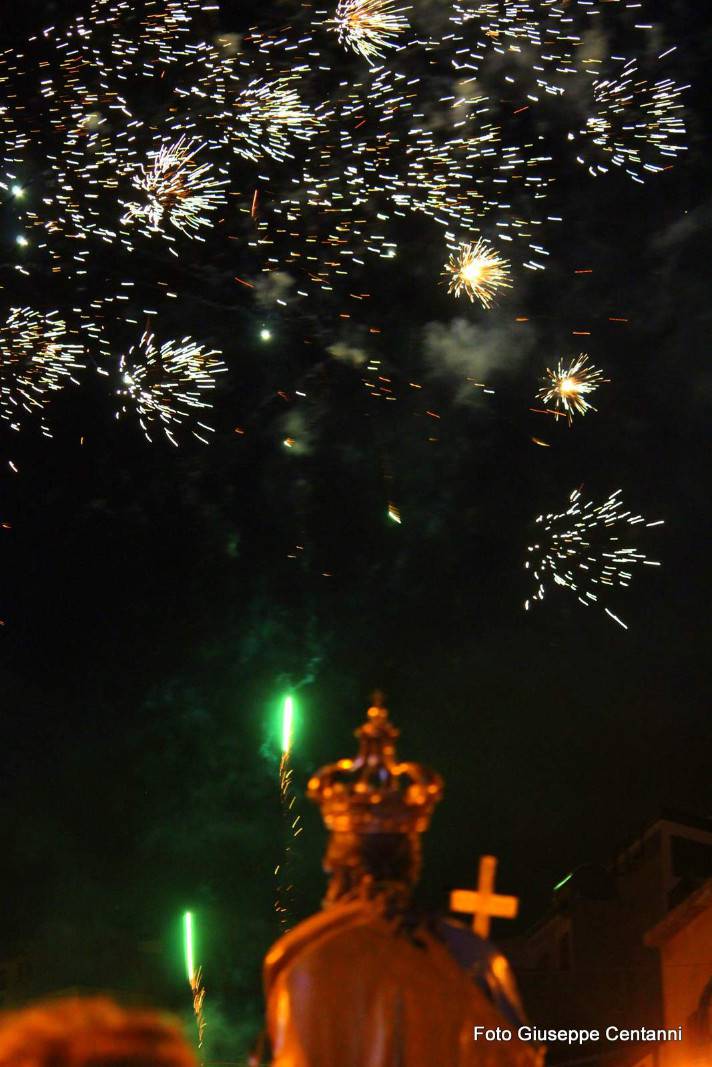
484	904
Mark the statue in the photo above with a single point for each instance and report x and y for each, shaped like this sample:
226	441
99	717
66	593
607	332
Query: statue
367	982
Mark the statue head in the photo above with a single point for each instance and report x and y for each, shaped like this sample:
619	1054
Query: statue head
375	809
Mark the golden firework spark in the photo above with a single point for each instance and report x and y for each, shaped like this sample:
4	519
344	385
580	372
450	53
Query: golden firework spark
198	990
369	26
477	271
569	384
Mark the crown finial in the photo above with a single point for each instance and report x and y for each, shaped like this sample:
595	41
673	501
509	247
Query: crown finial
373	793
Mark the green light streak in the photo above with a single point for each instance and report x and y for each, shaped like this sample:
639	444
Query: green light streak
563	882
287	724
188	944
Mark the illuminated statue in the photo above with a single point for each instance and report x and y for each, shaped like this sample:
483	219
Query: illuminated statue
367	982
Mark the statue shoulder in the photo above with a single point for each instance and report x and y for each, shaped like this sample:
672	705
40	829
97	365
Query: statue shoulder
355	986
307	934
362	937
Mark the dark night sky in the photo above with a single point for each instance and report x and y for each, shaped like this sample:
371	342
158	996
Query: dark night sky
153	617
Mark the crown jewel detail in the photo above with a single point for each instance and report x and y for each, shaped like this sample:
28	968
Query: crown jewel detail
373	793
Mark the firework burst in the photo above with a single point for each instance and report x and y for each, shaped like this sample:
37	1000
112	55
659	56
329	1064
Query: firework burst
368	27
36	360
135	106
569	384
165	386
267	116
176	190
581	549
477	271
633	124
256	116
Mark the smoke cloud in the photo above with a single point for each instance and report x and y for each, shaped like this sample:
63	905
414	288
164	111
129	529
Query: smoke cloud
465	350
351	354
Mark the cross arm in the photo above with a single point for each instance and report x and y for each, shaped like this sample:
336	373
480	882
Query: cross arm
472	903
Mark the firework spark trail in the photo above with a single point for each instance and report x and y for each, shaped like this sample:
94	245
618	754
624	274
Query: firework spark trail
538	42
288	801
166	385
569	384
198	990
36	361
547	25
580	548
194	975
477	271
284	888
501	20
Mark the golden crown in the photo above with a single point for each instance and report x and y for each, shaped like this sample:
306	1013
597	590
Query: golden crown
372	793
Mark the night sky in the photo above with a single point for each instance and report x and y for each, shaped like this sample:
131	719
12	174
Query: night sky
156	606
